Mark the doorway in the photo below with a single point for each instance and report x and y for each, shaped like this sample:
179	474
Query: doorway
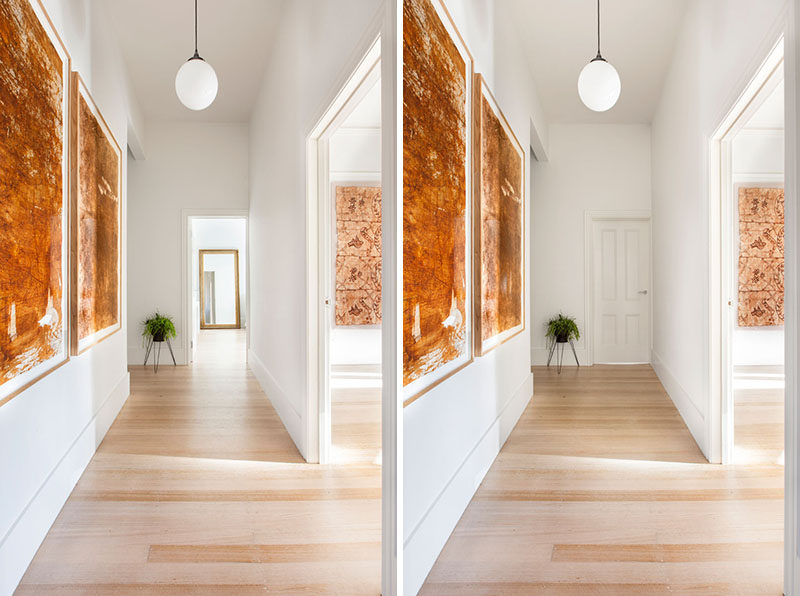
618	284
216	303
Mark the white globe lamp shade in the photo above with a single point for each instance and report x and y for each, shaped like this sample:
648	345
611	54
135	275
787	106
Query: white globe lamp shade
196	84
599	85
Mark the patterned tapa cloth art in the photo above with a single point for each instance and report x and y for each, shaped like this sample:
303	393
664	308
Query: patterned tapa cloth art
760	257
358	255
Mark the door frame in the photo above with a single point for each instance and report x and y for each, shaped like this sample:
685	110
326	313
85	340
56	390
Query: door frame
722	281
187	215
590	217
320	249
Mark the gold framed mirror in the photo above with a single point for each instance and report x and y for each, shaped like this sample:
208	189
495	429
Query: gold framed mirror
219	289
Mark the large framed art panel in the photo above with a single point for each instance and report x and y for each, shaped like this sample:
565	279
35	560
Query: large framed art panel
357	247
498	223
34	117
437	87
96	211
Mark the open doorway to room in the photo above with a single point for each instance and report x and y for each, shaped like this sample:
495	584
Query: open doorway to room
346	285
747	154
756	249
218	298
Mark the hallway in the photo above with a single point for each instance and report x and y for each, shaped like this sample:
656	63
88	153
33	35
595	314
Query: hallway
600	489
198	489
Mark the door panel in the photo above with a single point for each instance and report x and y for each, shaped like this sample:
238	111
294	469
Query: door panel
621	309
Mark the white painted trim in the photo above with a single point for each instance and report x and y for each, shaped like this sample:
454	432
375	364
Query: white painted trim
791	581
186	267
428	537
392	300
20	543
691	414
588	269
288	414
766	179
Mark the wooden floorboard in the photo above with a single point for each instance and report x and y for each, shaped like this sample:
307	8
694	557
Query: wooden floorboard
198	489
601	490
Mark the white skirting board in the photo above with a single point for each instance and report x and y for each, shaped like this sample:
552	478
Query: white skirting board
427	539
290	417
692	416
20	544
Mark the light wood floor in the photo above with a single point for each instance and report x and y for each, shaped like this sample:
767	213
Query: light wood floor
356	414
758	414
198	489
600	489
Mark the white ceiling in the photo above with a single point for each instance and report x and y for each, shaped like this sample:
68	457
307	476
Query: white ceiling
638	38
157	36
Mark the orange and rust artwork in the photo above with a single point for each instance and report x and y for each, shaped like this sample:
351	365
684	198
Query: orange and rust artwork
436	320
98	223
499	214
358	255
761	262
32	185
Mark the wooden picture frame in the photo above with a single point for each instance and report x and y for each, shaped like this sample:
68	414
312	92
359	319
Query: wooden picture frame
79	96
485	215
201	255
421	376
13	385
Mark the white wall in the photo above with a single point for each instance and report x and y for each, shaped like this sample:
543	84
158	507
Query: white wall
355	156
453	433
188	166
591	167
220	234
719	48
315	50
49	432
758	158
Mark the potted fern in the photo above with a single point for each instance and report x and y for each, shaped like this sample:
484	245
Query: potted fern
159	327
562	329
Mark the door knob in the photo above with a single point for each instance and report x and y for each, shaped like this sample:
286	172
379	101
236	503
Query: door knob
643	291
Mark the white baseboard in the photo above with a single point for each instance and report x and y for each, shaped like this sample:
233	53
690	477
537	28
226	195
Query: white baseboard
692	416
20	544
427	539
280	401
539	356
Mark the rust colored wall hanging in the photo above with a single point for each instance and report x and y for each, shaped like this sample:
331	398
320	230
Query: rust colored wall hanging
437	81
34	79
499	224
95	204
358	255
760	257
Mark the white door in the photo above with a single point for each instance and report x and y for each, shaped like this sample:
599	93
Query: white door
621	310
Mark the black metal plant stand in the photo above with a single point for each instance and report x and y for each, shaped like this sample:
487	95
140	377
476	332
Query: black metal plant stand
157	354
560	357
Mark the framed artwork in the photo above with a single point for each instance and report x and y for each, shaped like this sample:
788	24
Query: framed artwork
437	285
498	224
761	257
34	93
357	286
219	289
96	211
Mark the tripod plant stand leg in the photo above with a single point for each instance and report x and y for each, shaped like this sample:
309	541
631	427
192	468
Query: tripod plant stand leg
574	353
157	357
169	345
147	351
560	357
552	350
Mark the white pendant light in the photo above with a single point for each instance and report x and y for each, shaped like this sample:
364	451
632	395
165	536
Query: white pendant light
598	84
196	82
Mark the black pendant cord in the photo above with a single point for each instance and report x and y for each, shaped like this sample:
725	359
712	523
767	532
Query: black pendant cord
196	55
598	29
